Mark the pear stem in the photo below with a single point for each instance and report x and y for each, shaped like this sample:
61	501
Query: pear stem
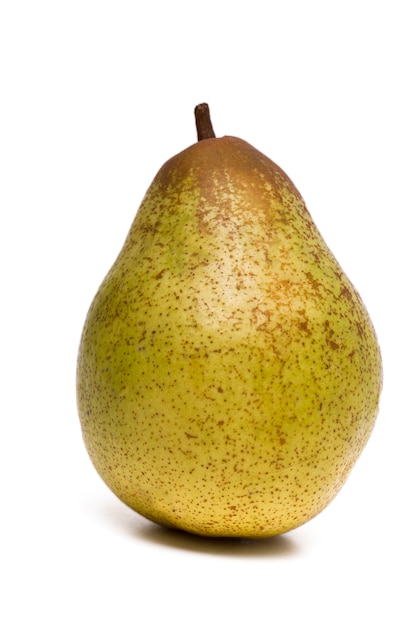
203	122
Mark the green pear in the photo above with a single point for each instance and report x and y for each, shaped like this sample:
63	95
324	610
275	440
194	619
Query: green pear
228	375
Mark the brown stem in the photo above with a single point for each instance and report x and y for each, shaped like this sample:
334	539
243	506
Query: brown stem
203	122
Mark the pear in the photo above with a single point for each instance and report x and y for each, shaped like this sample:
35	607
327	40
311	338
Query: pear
228	374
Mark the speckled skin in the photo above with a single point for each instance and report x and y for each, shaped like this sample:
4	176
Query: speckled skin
228	374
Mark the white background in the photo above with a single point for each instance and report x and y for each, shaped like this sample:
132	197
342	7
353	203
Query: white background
95	96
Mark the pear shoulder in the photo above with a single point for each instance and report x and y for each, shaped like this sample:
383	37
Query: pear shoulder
229	157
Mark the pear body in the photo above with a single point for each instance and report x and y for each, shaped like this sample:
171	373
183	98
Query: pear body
228	374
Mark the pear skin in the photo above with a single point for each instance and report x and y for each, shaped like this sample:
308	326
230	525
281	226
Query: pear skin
228	374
